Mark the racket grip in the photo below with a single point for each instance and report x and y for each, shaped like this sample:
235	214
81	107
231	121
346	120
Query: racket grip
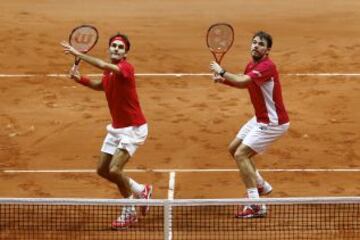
77	61
75	68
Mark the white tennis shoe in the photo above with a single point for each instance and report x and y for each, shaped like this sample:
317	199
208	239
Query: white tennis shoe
146	194
252	211
126	219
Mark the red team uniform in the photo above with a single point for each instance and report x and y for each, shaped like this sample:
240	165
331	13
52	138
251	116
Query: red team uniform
122	98
265	92
271	119
128	129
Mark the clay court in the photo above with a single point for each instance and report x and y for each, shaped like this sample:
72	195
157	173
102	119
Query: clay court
48	122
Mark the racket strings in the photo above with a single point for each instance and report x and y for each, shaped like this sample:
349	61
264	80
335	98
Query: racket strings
220	38
83	38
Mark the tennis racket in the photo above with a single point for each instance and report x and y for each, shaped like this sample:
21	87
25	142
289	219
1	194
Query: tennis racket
219	39
83	38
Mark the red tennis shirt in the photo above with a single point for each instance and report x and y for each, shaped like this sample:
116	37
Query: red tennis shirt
122	98
265	92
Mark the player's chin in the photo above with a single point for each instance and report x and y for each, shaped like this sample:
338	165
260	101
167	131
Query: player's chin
256	56
255	53
115	57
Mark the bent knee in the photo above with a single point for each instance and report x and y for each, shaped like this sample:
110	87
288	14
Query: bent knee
233	146
115	171
102	173
240	155
232	150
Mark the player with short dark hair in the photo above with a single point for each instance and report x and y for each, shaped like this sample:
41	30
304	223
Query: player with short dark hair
128	129
271	120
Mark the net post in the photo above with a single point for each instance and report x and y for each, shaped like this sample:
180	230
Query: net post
167	220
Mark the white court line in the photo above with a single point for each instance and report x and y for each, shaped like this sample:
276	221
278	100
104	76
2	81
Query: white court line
177	74
171	190
179	170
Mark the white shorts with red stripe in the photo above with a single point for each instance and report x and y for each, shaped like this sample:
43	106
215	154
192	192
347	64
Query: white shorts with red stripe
258	136
128	138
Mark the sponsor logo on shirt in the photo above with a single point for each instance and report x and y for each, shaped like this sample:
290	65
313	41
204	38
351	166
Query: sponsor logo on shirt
257	73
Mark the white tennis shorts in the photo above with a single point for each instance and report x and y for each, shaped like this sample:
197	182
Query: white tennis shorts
128	138
258	136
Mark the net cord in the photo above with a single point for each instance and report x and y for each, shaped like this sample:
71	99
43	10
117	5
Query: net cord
180	202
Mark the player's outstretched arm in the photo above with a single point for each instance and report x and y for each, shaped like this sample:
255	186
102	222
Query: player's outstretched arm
234	80
96	62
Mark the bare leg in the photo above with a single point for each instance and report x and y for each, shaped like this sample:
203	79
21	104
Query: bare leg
234	145
104	166
118	162
111	167
248	172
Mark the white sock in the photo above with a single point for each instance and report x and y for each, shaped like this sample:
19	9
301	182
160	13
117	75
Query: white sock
135	187
259	179
252	193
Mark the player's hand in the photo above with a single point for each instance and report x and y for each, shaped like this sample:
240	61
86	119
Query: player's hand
217	78
68	49
215	67
74	73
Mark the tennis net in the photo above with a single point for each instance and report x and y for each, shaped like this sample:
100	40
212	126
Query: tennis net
286	219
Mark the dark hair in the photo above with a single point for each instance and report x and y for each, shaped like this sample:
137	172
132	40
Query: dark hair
123	36
264	35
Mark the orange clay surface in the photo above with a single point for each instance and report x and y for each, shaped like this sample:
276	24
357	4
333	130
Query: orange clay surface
53	123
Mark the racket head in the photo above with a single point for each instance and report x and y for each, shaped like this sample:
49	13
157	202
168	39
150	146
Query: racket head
219	39
83	38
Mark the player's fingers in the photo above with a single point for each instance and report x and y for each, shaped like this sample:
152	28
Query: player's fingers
75	75
67	47
217	78
74	72
214	77
213	63
76	67
64	44
215	67
73	68
211	66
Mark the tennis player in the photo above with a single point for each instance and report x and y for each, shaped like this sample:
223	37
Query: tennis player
128	129
271	120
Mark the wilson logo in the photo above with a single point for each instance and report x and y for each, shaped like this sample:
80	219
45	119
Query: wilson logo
82	38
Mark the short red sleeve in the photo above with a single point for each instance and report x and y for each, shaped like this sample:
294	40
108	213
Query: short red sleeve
261	72
125	69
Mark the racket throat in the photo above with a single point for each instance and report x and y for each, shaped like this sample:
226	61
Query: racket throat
218	57
77	61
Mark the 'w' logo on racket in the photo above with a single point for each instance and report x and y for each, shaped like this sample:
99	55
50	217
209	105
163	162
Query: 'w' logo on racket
84	38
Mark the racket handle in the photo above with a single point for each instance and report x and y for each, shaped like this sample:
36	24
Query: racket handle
77	61
75	67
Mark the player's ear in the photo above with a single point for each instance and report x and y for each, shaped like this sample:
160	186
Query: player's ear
268	50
